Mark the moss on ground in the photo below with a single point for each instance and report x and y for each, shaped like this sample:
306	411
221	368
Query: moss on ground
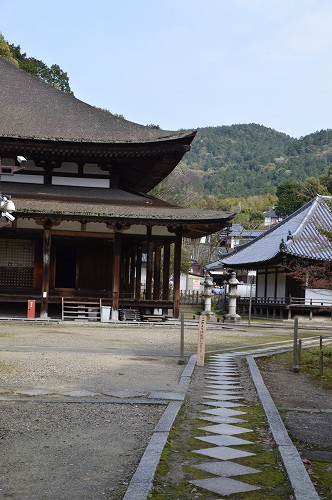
321	476
309	364
177	466
7	367
320	472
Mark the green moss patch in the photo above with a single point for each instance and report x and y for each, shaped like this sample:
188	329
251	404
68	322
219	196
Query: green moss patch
177	465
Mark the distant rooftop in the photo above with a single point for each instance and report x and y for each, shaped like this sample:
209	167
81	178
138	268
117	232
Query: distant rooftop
297	235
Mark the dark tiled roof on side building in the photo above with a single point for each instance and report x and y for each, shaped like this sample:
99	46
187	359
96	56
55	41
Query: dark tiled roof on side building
298	235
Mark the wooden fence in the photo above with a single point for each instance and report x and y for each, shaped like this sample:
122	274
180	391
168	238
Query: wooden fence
190	297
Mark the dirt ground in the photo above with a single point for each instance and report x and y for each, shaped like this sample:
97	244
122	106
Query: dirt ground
58	447
70	450
306	408
54	446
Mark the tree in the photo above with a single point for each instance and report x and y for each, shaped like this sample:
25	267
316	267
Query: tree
312	187
5	51
249	219
289	198
314	274
326	179
54	75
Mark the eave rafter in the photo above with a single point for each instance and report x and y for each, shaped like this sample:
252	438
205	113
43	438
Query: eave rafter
140	166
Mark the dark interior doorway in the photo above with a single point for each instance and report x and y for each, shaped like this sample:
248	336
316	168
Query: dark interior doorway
65	267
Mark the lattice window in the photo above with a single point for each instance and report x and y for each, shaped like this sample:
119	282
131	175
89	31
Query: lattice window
16	263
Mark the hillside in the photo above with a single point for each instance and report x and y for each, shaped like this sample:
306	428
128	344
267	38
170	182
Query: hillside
245	160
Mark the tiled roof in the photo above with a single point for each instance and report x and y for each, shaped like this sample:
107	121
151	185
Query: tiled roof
298	235
238	230
32	109
110	204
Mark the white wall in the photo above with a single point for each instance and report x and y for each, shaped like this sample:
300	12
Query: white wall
270	284
281	285
260	286
243	290
318	296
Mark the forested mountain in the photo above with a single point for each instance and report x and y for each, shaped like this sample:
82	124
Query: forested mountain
245	160
227	162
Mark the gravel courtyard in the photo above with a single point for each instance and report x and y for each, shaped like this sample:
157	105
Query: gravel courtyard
74	418
79	402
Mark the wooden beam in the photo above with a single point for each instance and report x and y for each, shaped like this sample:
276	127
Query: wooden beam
46	272
116	276
149	265
166	270
132	269
156	274
138	272
177	273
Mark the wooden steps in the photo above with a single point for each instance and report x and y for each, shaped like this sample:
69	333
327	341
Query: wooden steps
80	310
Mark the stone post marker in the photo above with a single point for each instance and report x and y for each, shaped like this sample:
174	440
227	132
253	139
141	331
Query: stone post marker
232	295
207	294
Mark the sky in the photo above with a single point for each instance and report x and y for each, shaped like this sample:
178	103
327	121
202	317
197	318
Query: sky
187	63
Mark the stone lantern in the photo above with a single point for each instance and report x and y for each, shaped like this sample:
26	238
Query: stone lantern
232	296
207	294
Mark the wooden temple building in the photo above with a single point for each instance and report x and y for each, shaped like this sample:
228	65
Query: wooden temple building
84	215
297	242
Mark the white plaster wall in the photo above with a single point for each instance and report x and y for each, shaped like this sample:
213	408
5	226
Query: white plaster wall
270	284
77	181
161	231
318	296
92	169
183	282
27	224
24	178
194	283
243	290
68	167
67	226
98	227
281	285
135	229
260	285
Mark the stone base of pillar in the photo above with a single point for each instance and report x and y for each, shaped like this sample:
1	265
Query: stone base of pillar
114	315
44	316
232	318
207	313
209	316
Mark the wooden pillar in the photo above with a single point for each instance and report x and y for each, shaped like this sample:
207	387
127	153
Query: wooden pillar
46	271
126	271
265	284
166	270
177	273
116	275
149	265
275	283
132	270
138	272
156	274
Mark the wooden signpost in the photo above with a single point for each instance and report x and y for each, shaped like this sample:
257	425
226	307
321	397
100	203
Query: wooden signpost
201	340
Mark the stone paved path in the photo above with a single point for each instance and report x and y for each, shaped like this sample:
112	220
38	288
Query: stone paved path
223	391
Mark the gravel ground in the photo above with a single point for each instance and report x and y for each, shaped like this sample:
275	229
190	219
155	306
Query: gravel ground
55	447
306	407
103	372
71	451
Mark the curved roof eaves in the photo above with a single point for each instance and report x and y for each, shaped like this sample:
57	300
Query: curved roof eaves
298	235
32	109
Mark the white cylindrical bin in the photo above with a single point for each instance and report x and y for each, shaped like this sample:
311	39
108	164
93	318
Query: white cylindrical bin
105	313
